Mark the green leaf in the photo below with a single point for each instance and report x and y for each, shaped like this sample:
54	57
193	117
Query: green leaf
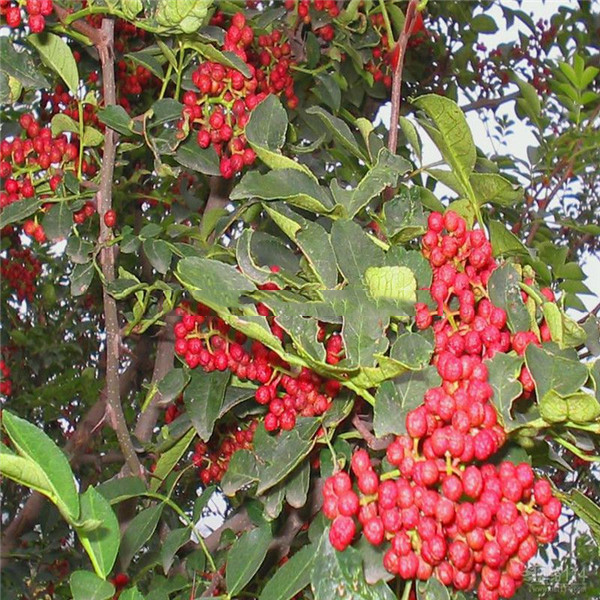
35	445
412	136
354	250
292	447
297	488
169	459
242	471
138	532
403	217
495	189
20	66
582	407
504	291
433	589
340	575
290	578
530	96
482	24
203	160
92	137
101	544
397	283
504	242
339	130
552	371
56	55
185	16
203	398
81	277
246	556
87	586
212	282
58	222
122	488
394	399
158	252
503	374
116	117
413	350
131	594
296	187
174	540
384	174
25	472
450	132
585	509
149	61
328	91
173	383
18	211
266	131
229	59
61	123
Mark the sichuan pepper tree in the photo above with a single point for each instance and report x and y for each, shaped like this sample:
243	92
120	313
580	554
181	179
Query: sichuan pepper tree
255	343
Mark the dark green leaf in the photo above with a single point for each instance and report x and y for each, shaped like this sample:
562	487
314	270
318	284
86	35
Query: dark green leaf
290	578
85	585
116	118
504	242
504	371
174	540
122	488
203	398
245	557
172	384
327	89
18	211
203	160
297	488
58	222
242	471
149	61
433	589
212	282
21	66
480	24
493	188
81	277
396	398
298	188
504	290
158	252
138	532
413	350
403	215
551	371
169	459
340	575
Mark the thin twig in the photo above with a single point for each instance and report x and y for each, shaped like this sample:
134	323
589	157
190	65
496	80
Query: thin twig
107	255
81	26
490	102
397	77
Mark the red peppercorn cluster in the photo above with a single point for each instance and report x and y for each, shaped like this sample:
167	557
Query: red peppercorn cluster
20	270
213	463
445	511
35	10
319	9
62	101
5	382
273	63
29	160
203	339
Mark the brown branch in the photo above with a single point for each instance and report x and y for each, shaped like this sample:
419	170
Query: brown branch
365	432
89	31
237	522
105	48
165	354
397	77
490	102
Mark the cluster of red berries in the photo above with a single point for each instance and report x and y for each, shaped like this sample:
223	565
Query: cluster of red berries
62	101
219	111
28	161
273	66
320	9
213	462
36	11
5	382
20	269
34	230
205	340
419	509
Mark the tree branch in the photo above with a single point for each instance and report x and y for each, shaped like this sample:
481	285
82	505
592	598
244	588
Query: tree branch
490	102
397	77
105	48
365	431
89	31
165	353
